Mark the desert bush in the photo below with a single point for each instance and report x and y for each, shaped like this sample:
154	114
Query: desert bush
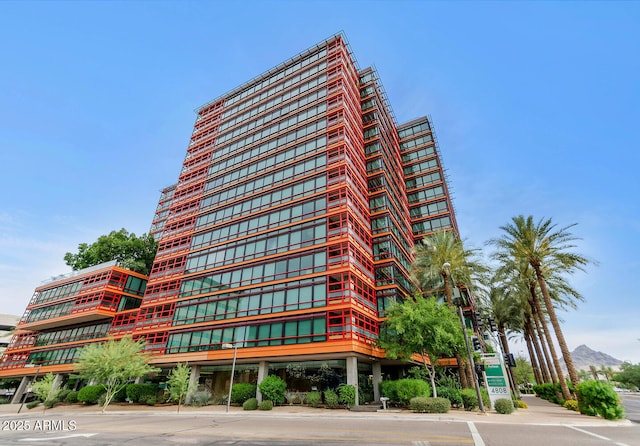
72	397
522	405
430	405
265	405
136	392
250	404
90	394
347	394
571	405
273	388
241	392
51	402
200	398
599	398
314	399
331	398
450	393
504	406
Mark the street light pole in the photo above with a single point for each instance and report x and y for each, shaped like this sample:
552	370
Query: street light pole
474	376
233	370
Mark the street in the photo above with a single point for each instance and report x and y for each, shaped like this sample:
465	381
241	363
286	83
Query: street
155	429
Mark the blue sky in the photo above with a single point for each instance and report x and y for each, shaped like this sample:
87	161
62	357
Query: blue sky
535	106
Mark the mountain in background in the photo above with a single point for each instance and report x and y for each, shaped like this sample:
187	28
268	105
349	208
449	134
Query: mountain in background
583	357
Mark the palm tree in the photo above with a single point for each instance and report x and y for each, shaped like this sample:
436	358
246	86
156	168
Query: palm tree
440	261
543	246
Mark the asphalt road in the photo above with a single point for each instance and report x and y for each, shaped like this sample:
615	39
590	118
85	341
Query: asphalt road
169	430
631	403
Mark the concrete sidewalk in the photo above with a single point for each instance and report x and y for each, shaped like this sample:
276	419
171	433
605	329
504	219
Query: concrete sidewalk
539	412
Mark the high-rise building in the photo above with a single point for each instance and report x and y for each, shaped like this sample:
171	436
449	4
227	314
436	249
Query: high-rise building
291	226
292	223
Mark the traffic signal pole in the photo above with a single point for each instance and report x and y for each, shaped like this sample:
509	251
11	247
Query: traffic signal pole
474	375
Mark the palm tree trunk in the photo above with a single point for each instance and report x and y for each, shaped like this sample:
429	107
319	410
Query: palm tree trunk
544	368
541	330
566	354
556	362
537	374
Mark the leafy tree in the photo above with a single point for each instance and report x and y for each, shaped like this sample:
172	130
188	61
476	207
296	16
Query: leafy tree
43	388
178	383
629	375
424	327
113	364
134	253
523	372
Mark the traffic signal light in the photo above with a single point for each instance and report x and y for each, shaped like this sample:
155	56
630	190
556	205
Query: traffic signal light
509	360
476	343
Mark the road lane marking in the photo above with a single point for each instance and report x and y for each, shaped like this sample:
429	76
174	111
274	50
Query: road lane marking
477	439
595	435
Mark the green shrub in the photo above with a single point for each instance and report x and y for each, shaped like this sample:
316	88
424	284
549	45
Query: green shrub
548	391
48	404
72	397
62	394
266	405
599	398
250	404
136	392
32	404
273	389
314	399
469	399
389	389
149	400
90	394
121	395
200	398
331	398
4	400
410	388
347	394
430	405
241	392
504	406
486	401
450	393
571	405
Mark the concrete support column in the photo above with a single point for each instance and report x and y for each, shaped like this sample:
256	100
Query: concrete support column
352	375
263	370
194	377
377	378
22	388
57	382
